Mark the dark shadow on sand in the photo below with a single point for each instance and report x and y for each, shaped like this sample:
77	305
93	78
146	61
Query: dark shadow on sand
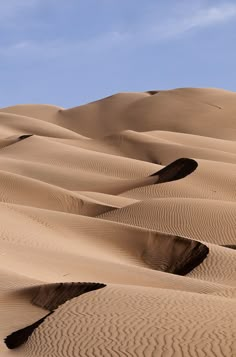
49	297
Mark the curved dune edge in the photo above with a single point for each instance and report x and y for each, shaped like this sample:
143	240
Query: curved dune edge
230	246
23	137
190	254
109	192
174	171
177	170
173	254
49	297
80	204
18	338
112	321
135	246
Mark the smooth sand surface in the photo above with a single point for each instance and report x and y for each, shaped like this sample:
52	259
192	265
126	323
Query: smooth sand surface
108	248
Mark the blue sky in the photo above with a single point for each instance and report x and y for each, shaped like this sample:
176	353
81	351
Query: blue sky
69	52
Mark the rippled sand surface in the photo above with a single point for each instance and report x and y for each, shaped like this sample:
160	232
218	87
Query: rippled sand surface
118	226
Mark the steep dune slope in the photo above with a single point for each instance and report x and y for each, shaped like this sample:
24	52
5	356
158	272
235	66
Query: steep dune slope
136	193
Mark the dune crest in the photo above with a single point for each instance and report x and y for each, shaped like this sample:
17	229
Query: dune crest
49	297
137	191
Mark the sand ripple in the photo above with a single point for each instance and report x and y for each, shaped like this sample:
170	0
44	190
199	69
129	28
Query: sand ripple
137	193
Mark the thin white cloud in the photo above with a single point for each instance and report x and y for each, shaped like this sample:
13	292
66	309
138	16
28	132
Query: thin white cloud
208	17
169	28
214	15
202	18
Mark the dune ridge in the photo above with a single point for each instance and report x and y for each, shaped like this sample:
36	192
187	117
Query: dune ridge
48	297
136	192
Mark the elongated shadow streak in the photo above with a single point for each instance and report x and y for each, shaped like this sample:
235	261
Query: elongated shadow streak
230	246
22	137
152	92
49	297
17	338
177	170
178	256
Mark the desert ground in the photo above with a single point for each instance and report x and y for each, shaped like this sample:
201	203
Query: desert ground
118	226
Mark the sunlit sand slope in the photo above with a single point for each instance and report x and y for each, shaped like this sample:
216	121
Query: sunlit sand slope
117	231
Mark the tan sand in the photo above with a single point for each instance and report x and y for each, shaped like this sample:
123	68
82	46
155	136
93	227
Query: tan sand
85	197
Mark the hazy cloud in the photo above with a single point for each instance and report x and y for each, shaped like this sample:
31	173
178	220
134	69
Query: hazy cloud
173	27
145	33
12	8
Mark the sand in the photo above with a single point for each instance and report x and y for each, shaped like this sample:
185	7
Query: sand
118	223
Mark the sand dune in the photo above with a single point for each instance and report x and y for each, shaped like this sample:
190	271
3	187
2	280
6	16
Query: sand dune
132	321
48	297
118	223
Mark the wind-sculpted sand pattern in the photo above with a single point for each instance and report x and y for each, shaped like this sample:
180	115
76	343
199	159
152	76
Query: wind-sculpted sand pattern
48	297
136	321
134	194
